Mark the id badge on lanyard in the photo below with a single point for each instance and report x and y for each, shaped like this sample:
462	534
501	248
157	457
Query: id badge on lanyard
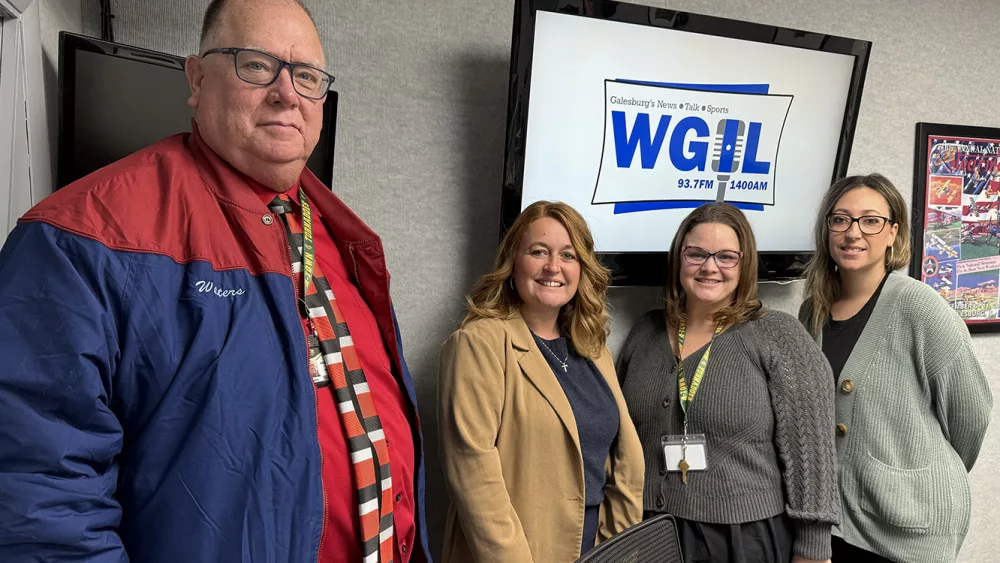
317	364
687	452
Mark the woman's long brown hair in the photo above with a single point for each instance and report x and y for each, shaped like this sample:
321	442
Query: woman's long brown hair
586	317
822	278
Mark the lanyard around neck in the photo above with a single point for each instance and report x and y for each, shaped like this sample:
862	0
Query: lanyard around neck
686	395
308	250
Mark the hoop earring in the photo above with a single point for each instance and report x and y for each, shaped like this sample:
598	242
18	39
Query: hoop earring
888	256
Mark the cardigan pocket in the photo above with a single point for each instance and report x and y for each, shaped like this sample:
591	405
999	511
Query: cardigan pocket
898	497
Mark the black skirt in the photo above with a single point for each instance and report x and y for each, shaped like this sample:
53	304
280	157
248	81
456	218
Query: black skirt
844	552
764	541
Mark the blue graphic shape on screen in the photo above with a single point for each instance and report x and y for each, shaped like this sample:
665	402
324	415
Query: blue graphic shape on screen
699	149
649	145
733	133
727	153
750	165
626	145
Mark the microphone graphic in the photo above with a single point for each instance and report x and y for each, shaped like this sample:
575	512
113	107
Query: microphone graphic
726	152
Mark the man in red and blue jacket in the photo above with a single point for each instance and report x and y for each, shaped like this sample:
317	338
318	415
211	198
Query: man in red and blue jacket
158	387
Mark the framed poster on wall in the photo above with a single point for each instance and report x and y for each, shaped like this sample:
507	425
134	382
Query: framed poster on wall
956	228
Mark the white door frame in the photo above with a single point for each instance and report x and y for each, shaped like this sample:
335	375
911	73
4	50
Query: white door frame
18	6
21	62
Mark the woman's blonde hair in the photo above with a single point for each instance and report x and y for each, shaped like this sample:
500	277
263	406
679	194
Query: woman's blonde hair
746	305
822	278
586	317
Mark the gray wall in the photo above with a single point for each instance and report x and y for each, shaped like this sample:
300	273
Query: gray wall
55	16
421	131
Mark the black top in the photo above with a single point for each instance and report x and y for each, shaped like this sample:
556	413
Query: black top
594	409
839	337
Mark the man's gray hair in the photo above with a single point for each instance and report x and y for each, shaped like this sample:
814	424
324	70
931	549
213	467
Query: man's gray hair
214	12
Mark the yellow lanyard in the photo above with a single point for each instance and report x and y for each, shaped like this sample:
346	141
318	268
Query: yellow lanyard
308	250
687	396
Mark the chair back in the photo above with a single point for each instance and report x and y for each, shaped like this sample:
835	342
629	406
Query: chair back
652	541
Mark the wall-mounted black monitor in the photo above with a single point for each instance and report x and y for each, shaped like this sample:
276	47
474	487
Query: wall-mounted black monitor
115	99
635	115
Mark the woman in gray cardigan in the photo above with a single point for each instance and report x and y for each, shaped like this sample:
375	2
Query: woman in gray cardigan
912	401
745	461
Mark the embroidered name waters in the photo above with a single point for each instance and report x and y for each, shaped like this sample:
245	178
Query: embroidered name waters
210	287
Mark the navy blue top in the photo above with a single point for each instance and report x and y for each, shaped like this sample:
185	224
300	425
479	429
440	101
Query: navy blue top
594	409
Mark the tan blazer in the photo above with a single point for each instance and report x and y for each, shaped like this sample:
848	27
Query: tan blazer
511	454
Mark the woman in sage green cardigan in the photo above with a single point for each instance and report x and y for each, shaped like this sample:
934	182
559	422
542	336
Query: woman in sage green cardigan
912	401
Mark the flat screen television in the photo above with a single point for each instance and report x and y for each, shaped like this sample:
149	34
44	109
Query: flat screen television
115	99
635	115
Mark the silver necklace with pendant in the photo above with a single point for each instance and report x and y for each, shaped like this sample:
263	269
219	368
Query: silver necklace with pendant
563	363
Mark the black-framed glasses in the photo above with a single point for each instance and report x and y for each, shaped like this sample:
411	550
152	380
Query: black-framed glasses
869	224
262	69
724	258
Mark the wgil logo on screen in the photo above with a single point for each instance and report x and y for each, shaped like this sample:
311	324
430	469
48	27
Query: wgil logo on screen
680	145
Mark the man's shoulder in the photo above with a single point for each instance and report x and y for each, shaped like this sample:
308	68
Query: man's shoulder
122	186
133	203
133	185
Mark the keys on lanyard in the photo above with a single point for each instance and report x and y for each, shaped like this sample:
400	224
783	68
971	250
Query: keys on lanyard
683	465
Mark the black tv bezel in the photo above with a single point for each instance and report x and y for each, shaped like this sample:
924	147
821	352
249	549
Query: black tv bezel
70	43
650	268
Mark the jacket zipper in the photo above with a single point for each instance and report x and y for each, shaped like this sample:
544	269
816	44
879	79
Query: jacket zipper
312	385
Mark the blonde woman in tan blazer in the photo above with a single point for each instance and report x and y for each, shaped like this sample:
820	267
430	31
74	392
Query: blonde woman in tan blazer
540	456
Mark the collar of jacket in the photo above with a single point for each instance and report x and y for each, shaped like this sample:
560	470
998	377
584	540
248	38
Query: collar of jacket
359	246
232	186
537	370
361	250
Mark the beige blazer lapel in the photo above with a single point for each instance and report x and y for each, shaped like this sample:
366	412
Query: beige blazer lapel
538	371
